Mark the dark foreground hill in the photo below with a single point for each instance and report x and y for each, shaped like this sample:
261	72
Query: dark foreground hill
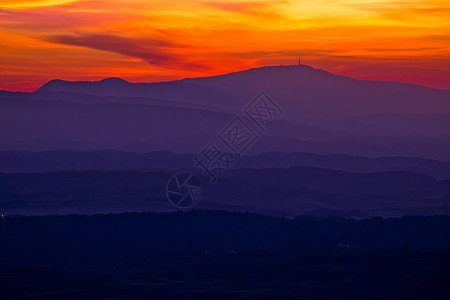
134	237
219	255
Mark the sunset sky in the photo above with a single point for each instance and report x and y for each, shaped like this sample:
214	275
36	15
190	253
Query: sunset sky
152	40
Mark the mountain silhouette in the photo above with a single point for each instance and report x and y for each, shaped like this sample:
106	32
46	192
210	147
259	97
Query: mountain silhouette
324	113
306	87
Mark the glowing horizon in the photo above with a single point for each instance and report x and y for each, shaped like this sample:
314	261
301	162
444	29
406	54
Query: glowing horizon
141	41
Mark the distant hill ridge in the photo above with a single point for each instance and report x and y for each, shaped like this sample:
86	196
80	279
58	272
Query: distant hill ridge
324	113
17	161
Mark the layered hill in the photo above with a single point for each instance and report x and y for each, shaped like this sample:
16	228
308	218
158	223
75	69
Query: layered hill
324	113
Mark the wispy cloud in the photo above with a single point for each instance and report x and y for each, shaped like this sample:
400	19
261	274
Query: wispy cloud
153	51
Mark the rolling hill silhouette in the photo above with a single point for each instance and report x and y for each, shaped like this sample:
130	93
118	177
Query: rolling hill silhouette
325	114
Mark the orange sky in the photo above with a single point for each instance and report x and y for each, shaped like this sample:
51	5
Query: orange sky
153	40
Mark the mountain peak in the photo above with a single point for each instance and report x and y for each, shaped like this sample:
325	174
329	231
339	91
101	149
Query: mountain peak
113	80
82	86
52	84
293	72
292	68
